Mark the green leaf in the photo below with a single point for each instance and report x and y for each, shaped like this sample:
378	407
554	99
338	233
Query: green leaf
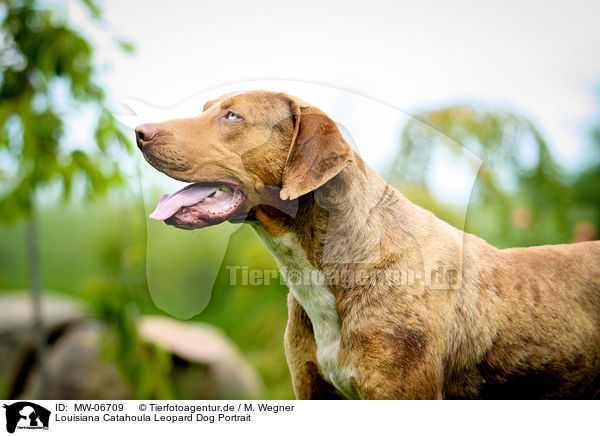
126	46
93	8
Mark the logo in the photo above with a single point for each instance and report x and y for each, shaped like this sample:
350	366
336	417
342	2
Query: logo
26	415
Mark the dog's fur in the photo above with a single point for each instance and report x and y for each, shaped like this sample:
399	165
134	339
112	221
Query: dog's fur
516	323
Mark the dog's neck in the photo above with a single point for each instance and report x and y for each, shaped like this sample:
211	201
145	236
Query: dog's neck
348	223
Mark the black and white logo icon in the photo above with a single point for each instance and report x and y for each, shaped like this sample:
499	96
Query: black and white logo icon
26	415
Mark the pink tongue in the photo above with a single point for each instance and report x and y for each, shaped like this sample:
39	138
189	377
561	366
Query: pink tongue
171	203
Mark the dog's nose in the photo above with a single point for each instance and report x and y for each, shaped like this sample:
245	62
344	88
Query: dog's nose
145	133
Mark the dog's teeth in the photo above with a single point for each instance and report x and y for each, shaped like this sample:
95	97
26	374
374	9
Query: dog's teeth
218	193
225	188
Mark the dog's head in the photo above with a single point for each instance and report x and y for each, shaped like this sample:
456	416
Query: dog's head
244	151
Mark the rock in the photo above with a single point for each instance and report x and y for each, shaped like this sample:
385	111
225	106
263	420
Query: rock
77	370
220	371
17	343
206	364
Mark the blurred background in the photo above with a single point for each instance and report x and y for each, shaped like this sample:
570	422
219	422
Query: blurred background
487	115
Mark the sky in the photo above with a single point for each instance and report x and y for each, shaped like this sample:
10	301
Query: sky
536	59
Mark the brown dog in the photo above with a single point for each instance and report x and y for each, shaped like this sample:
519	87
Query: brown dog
391	301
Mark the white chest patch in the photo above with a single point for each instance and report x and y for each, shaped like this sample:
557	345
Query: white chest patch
317	300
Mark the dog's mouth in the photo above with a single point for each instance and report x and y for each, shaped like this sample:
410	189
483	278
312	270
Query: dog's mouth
199	205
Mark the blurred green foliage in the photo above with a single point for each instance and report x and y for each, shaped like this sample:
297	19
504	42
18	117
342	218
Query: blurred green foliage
47	75
114	294
587	182
41	55
522	196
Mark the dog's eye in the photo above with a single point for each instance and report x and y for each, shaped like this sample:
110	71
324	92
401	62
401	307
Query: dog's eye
231	116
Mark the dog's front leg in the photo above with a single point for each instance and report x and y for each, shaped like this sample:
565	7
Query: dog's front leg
396	363
300	350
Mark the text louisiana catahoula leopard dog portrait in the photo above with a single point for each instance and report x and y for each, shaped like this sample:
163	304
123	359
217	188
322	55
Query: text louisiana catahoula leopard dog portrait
516	323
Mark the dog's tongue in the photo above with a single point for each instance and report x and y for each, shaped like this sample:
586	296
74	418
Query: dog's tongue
169	204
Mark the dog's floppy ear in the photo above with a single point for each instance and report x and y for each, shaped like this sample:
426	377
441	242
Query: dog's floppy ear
317	153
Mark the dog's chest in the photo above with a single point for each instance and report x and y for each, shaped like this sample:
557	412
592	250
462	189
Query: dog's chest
317	300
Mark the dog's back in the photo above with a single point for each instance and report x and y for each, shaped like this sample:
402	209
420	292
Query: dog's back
546	306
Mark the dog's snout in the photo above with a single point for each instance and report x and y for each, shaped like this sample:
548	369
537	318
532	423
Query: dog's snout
145	134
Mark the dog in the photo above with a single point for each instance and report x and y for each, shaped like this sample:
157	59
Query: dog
521	323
